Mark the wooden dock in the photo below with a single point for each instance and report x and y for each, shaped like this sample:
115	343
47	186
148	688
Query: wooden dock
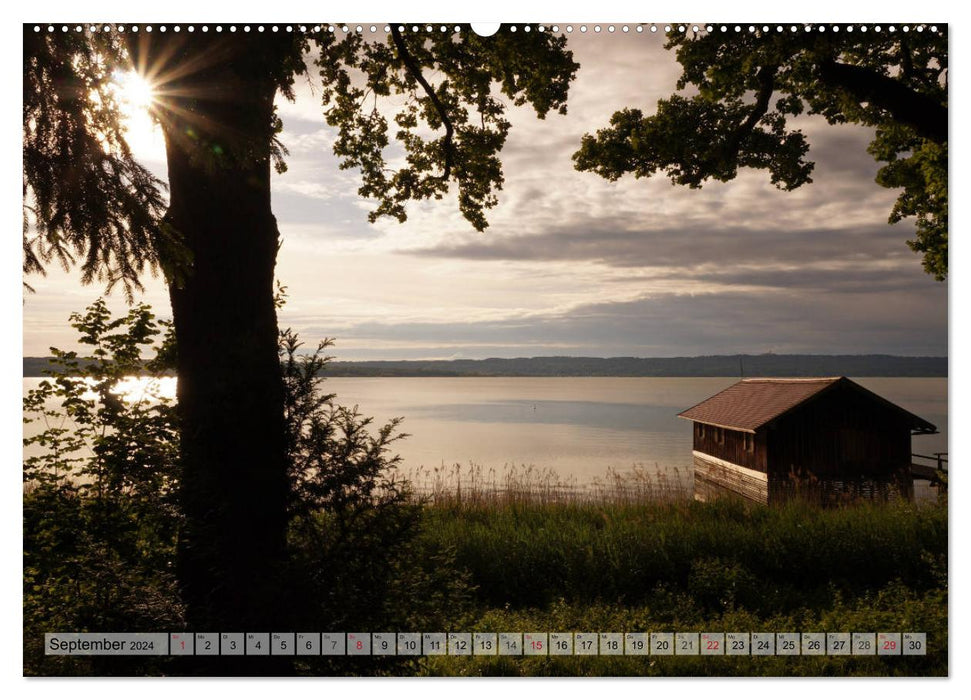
932	472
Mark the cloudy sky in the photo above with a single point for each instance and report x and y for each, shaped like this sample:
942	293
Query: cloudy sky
575	265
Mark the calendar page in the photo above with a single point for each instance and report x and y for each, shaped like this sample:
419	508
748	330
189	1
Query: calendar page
432	348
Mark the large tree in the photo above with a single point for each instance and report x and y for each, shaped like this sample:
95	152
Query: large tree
743	87
215	239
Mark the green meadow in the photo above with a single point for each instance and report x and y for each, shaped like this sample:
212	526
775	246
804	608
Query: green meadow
687	566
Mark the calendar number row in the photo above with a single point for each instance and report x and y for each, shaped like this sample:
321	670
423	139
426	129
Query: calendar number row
489	643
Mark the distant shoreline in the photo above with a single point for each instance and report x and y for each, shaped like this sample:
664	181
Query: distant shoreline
768	365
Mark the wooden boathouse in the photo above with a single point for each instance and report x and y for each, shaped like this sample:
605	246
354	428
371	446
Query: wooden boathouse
766	439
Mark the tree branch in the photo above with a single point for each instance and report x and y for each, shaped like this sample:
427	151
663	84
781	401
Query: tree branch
924	114
727	152
766	78
906	63
415	70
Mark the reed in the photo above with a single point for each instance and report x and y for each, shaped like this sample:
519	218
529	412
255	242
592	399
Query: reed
527	553
473	485
623	563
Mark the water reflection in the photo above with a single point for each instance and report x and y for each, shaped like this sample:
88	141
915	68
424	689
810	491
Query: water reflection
578	427
593	414
138	389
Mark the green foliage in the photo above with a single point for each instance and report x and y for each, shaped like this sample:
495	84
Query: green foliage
724	554
672	141
704	567
529	68
744	89
919	167
84	195
891	607
116	443
100	480
356	560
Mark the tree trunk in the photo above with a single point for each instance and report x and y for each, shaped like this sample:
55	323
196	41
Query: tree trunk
217	116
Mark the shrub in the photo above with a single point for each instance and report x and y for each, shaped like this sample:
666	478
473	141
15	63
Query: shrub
100	514
356	559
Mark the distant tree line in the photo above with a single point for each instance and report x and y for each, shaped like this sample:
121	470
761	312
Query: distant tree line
768	365
707	366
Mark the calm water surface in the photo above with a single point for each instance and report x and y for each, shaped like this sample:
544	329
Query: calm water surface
578	427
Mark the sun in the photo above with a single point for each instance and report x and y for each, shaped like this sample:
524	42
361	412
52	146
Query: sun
137	97
135	92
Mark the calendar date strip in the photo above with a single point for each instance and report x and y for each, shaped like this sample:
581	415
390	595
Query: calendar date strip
486	644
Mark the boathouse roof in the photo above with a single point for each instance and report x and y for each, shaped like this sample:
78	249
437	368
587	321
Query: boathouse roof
753	403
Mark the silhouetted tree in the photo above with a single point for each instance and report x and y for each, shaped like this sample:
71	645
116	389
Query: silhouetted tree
86	198
745	87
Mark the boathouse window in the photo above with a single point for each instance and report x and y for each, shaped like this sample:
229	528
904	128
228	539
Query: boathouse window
749	441
720	436
701	430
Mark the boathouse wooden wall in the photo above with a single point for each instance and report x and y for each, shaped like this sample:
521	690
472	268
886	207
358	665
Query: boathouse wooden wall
730	446
841	434
715	478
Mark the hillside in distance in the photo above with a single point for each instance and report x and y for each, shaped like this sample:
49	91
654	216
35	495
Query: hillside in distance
768	365
706	366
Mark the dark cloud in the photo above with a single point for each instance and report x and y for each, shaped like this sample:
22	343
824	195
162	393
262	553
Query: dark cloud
827	322
687	244
908	277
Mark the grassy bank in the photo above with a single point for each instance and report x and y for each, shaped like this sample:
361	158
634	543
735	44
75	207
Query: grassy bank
689	566
509	561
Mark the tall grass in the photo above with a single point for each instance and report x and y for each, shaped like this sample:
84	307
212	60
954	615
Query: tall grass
680	565
474	485
724	553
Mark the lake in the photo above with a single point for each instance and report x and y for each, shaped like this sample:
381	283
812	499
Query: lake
576	428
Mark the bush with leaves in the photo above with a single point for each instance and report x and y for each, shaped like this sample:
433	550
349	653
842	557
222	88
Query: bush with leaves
356	558
100	481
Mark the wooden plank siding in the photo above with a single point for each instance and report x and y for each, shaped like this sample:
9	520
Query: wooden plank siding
730	446
839	435
715	477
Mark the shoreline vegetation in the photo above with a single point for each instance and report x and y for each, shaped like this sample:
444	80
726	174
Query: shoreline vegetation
529	485
766	365
634	554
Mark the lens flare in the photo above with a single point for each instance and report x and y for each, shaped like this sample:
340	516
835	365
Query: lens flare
135	92
137	98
